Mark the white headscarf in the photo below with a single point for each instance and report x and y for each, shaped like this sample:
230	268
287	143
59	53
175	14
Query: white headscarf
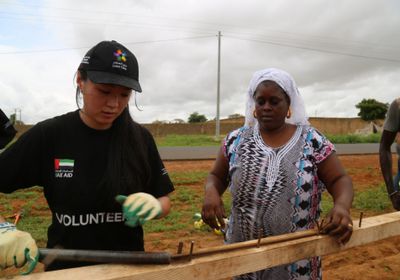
286	82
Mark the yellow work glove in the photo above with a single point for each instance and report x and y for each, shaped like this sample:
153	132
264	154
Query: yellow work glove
139	208
16	248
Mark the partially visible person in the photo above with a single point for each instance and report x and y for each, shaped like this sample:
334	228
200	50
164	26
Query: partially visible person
391	128
7	130
89	162
276	168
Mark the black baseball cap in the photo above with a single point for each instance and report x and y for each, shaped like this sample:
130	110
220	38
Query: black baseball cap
109	62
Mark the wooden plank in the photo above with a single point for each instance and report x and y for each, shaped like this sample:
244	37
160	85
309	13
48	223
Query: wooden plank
235	262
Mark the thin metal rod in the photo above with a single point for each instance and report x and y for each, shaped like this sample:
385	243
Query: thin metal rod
361	216
191	250
248	244
260	233
180	247
103	256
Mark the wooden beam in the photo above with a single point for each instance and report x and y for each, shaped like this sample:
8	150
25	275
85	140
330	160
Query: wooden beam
237	261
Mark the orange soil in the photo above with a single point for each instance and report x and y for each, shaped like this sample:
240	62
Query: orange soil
379	260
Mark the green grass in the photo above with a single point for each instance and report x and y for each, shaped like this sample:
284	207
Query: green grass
354	138
30	222
37	227
374	199
326	203
187	200
188	140
187	178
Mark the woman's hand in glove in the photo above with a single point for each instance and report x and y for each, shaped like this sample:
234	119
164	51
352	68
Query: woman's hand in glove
139	208
16	248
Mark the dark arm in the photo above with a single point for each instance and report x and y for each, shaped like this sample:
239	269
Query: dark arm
385	159
216	184
339	185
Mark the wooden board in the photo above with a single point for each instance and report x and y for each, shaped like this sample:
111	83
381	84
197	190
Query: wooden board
235	262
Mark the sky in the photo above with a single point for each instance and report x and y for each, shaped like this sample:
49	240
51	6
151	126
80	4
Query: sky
338	52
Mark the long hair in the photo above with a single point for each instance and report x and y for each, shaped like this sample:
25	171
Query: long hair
128	167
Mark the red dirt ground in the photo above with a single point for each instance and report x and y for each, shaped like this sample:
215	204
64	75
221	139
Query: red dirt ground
379	260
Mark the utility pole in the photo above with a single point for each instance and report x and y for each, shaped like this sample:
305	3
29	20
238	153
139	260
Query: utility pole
217	124
16	111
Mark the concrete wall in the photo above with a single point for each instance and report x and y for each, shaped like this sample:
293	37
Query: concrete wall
195	128
342	125
325	125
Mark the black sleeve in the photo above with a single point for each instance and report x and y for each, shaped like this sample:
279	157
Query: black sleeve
20	164
160	182
7	130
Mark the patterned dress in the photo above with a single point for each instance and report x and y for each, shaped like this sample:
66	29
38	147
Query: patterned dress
276	191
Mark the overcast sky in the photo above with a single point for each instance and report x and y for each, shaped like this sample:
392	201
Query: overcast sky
339	52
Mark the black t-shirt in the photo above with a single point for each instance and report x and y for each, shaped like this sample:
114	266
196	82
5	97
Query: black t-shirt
7	130
68	159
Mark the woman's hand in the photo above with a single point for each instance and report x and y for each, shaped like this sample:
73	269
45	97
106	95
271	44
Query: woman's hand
139	208
339	224
213	212
395	199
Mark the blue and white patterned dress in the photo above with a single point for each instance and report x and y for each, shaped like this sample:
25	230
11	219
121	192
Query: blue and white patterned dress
275	190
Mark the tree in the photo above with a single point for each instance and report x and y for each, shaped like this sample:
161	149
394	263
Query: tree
235	116
371	109
159	122
196	118
178	121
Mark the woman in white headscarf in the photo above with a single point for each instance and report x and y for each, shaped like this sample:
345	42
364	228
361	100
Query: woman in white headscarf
276	167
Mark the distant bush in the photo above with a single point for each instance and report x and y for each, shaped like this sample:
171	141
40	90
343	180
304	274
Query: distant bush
354	138
195	117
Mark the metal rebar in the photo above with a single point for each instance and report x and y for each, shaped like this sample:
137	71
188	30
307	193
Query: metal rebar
180	248
260	233
191	250
104	256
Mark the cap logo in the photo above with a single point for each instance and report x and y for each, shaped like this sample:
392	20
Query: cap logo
86	59
120	55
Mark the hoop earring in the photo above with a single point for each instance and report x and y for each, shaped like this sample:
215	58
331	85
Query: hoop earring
289	113
255	114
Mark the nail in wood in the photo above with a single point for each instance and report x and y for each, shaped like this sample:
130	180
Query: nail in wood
191	250
180	247
361	216
259	237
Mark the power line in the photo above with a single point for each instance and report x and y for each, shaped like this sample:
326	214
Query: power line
305	39
119	14
313	38
85	20
87	47
88	21
300	43
316	49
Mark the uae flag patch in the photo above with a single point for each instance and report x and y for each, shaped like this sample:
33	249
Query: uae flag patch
64	168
